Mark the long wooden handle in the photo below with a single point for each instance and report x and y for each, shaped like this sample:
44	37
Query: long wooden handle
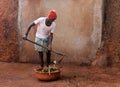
43	47
37	44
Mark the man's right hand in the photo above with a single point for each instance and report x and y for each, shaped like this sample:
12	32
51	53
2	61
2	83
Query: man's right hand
24	37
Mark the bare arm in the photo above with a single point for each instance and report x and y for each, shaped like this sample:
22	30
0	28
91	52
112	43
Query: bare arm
50	40
28	29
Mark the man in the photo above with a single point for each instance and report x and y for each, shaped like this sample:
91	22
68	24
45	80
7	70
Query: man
44	35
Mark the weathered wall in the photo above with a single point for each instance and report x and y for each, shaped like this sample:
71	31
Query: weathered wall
74	35
111	30
8	30
78	32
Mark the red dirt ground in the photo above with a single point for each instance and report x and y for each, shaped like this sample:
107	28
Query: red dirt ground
73	75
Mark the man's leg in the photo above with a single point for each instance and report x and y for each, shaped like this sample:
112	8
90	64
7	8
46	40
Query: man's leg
48	59
41	59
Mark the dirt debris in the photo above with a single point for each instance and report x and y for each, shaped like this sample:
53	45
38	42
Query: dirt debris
73	75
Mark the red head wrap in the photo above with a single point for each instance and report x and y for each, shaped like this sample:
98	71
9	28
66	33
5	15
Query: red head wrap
52	14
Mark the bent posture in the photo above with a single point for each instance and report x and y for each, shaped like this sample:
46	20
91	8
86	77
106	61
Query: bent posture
44	35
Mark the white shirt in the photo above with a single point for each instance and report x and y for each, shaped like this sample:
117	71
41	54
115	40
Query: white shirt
44	31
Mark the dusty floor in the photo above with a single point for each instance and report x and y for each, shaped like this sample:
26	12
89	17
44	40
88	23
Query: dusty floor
73	75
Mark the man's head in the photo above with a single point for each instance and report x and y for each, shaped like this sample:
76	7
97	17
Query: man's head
52	15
